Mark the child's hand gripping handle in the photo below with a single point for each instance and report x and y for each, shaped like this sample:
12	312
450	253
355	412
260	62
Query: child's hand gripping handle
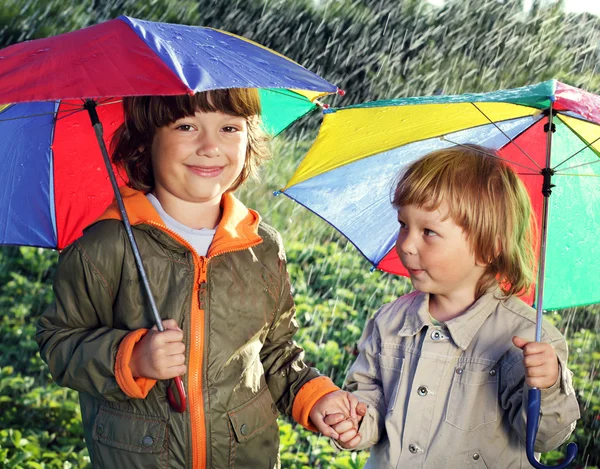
533	421
180	405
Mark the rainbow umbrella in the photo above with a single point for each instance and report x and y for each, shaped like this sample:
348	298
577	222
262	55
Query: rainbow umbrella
53	181
549	133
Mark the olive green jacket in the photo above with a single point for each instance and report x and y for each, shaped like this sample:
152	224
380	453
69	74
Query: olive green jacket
237	314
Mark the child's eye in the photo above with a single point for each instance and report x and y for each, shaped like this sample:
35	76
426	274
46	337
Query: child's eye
402	224
230	129
428	232
184	127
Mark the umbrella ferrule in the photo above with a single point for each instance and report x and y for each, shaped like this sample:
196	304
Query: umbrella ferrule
547	186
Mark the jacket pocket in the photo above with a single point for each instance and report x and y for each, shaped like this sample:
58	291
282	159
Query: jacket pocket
254	434
391	376
475	459
473	400
124	439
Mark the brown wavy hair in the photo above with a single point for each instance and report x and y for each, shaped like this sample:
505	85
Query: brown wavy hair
132	141
488	201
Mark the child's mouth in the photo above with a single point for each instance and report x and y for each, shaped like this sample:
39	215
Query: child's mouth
415	271
206	171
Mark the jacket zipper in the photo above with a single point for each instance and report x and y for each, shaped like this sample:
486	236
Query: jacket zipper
197	326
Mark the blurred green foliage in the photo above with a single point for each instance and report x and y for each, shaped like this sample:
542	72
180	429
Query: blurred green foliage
374	49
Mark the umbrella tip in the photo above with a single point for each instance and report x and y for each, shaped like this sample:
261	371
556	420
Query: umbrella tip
341	92
276	193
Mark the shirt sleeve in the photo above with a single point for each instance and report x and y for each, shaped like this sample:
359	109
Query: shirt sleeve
364	381
559	406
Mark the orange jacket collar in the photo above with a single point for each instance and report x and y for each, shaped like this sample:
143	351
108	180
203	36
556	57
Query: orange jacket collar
238	226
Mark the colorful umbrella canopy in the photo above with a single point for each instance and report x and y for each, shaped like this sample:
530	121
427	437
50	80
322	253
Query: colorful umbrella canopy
53	178
348	174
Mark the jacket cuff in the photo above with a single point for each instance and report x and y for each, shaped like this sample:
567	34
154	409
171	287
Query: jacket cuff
307	397
136	388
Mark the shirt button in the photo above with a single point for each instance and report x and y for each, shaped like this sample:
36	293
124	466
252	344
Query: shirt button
412	448
147	441
476	456
100	429
244	429
422	391
459	370
436	335
492	372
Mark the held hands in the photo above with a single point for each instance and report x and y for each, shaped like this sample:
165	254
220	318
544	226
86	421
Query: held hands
159	355
337	415
541	364
347	427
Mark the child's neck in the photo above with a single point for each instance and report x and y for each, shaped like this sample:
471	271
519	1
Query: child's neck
447	307
192	214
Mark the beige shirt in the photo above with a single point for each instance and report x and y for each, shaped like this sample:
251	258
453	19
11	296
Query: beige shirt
454	396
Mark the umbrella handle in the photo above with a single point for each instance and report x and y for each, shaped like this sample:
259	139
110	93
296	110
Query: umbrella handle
178	405
533	421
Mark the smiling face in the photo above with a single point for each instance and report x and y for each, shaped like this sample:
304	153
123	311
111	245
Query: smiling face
437	254
197	158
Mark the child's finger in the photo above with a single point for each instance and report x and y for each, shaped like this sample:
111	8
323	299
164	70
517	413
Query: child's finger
333	419
345	426
325	429
353	402
353	443
348	435
169	336
530	361
361	409
169	324
519	342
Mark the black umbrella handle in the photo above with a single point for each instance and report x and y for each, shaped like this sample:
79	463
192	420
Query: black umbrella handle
533	421
90	106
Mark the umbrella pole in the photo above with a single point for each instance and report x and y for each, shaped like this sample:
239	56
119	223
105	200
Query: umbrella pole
534	396
90	106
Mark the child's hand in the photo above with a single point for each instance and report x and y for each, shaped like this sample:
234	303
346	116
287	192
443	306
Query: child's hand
541	364
337	402
159	355
347	428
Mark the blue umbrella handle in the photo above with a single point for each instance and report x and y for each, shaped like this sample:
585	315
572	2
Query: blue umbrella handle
533	421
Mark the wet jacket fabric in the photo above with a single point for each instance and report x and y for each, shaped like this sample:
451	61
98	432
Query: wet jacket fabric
237	314
454	396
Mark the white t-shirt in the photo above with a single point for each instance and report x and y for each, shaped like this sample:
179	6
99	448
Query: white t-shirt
200	239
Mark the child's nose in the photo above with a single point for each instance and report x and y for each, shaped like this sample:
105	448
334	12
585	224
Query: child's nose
208	145
405	244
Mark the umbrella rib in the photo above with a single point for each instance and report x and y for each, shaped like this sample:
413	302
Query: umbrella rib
27	117
70	113
488	154
579	166
579	175
504	133
575	154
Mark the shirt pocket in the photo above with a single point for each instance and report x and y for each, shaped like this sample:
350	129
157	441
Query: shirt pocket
391	376
254	434
473	400
125	439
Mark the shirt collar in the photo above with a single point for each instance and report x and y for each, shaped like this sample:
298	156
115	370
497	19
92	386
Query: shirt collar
462	328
